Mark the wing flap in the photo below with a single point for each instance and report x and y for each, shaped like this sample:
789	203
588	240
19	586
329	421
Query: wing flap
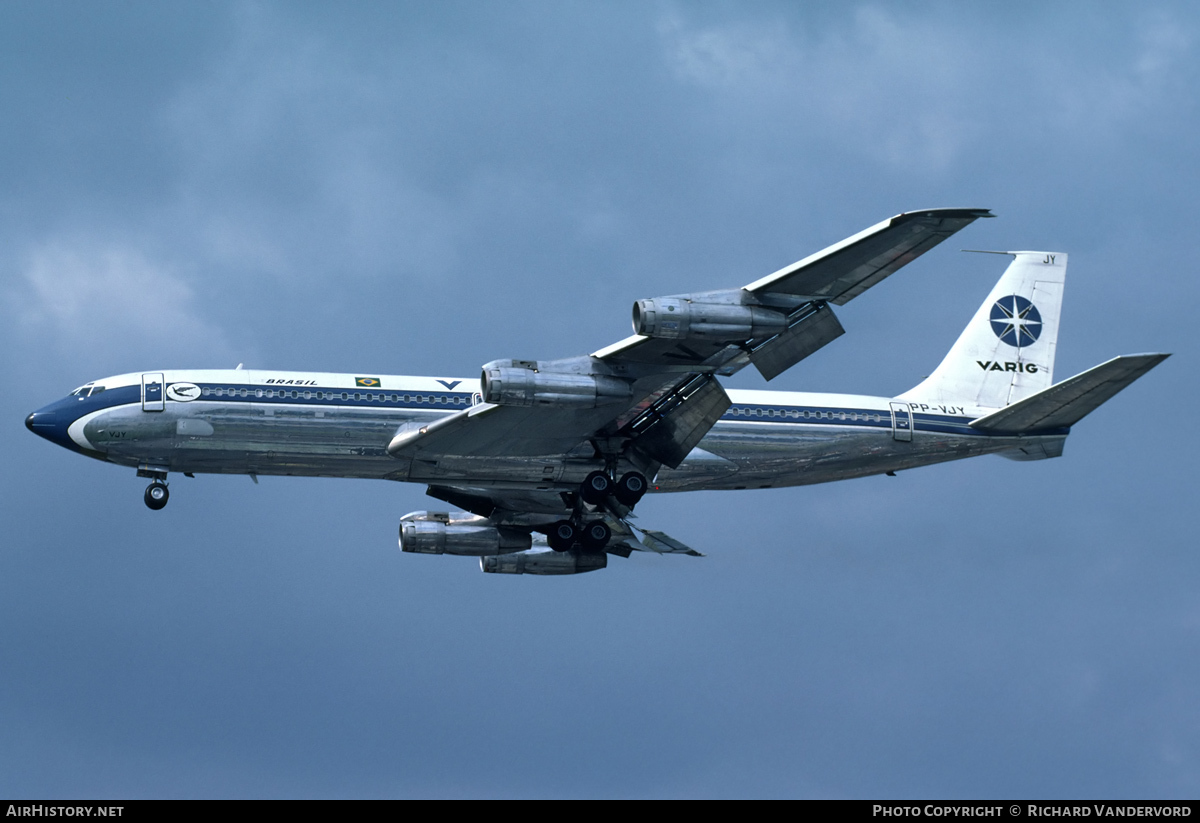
671	429
799	341
1068	402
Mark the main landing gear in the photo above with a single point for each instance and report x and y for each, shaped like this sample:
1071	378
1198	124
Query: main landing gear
565	535
593	535
628	490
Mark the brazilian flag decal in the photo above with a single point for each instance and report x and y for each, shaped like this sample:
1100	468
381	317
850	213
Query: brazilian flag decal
369	382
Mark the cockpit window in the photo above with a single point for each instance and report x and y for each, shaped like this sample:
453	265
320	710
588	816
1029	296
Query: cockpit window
84	391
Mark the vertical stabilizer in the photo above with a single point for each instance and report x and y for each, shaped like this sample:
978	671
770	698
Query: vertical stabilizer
1006	352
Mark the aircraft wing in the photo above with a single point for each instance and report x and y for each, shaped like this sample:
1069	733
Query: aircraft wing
835	275
658	391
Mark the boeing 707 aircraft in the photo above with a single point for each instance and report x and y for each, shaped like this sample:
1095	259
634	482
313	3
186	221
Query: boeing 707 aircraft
546	460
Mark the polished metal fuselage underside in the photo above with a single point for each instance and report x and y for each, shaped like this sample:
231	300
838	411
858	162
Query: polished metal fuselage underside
765	440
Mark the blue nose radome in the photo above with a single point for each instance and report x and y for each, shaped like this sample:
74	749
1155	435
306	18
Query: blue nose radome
51	425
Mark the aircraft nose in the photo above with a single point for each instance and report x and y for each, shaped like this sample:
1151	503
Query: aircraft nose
44	424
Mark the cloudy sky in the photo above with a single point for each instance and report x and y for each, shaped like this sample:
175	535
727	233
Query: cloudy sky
416	189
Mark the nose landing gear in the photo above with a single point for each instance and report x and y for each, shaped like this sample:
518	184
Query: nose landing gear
157	495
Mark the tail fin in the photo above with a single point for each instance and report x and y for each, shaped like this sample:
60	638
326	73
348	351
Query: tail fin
1006	352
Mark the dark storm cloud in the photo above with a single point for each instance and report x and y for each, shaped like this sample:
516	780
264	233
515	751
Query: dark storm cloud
412	190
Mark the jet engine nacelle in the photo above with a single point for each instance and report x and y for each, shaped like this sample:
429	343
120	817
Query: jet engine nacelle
544	561
511	385
679	318
458	533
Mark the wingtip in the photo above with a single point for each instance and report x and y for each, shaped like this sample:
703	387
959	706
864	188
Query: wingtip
959	213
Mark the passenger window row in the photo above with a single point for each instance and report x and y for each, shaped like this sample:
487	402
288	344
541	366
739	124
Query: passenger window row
807	414
310	394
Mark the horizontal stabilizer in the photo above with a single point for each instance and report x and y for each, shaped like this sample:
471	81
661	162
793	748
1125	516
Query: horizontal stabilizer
1068	402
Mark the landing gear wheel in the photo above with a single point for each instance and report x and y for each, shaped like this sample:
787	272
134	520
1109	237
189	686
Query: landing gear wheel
596	535
630	488
563	535
156	495
596	486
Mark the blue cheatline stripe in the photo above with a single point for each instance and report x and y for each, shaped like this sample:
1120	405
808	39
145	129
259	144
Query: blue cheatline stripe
843	417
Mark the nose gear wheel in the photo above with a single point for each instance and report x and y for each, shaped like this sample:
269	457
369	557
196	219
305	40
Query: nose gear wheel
156	495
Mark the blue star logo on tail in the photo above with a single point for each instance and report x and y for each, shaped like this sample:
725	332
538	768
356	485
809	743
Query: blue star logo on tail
1016	321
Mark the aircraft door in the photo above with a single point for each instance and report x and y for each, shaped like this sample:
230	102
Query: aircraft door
152	392
902	422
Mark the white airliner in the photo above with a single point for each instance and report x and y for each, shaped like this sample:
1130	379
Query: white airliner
547	459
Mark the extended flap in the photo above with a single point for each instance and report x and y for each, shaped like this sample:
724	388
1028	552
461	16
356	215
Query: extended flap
788	348
675	425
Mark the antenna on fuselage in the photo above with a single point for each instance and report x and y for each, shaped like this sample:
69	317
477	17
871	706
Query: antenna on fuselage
239	367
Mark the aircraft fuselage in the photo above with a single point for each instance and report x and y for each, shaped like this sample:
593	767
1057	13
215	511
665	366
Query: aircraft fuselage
339	425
